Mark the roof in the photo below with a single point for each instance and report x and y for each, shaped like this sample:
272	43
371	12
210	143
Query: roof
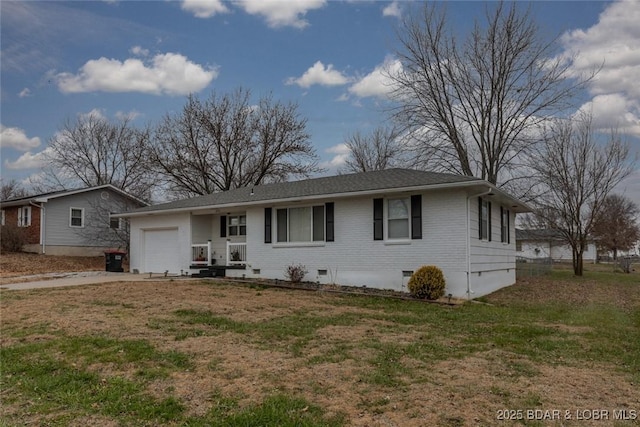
338	185
45	197
537	234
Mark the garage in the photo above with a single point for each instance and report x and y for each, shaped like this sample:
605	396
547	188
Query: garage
160	249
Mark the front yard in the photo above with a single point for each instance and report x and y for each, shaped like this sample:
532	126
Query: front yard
213	353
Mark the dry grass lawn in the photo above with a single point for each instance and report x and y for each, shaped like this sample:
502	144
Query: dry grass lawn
549	344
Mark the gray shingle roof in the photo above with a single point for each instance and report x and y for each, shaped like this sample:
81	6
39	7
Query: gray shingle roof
348	183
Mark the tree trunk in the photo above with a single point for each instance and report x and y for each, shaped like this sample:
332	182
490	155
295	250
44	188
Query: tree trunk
578	262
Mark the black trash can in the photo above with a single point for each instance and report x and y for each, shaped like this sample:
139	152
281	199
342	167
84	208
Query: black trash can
113	261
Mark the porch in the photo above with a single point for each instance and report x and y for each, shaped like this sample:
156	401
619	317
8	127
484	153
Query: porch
202	255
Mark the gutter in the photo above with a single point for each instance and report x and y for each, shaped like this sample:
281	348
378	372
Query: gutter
489	191
42	224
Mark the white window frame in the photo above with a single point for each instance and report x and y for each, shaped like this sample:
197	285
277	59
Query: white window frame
239	226
484	220
388	218
71	217
3	217
311	240
120	223
504	226
24	216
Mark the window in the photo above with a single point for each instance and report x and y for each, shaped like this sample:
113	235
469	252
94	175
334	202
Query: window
24	216
484	219
115	223
237	225
304	224
2	217
398	218
76	217
403	217
504	225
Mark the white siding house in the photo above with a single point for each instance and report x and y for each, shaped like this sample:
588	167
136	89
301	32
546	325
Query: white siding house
370	229
538	244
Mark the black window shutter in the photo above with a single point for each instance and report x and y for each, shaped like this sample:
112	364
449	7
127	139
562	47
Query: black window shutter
480	218
508	226
378	219
489	219
416	217
223	226
328	215
267	225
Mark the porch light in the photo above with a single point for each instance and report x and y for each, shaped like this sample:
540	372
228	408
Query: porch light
251	194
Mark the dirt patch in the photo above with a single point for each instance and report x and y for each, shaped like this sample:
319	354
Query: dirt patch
20	264
329	371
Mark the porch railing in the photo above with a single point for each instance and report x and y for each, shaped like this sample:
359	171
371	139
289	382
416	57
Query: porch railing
236	253
201	254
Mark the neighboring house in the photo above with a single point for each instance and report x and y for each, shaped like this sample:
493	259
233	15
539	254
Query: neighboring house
70	222
549	244
367	229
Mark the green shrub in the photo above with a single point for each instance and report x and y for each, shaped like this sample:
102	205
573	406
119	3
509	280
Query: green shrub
427	282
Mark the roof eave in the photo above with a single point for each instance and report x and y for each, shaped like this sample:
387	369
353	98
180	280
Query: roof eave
518	206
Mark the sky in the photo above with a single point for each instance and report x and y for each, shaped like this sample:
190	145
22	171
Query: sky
140	59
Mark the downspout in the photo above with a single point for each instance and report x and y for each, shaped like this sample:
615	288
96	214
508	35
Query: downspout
484	193
42	224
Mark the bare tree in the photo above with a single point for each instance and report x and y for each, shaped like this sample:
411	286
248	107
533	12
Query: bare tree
577	174
474	106
615	227
93	151
102	230
225	143
11	190
378	150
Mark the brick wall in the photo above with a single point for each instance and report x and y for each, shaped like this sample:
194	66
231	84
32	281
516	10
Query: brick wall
33	231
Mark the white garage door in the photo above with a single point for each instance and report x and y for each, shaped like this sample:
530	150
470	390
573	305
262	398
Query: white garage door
161	251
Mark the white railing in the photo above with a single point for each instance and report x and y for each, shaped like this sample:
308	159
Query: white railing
201	254
236	253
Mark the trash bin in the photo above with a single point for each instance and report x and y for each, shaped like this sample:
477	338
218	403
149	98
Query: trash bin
113	261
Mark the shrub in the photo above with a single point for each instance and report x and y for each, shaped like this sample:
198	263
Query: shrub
295	273
427	282
12	238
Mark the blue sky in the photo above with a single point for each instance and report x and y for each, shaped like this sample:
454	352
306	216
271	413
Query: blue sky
141	59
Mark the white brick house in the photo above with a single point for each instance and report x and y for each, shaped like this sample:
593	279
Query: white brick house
367	229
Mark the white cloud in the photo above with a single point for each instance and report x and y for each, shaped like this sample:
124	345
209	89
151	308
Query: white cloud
318	74
392	9
168	73
613	46
204	8
377	83
279	13
96	113
28	161
25	92
17	139
131	115
614	111
340	155
139	51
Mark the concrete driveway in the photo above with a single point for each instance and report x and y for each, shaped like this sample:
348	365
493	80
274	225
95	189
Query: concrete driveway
76	279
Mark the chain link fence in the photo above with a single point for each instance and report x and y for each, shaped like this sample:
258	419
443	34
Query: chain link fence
530	267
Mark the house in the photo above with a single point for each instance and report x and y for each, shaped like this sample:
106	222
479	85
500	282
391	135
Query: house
367	229
546	243
70	222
